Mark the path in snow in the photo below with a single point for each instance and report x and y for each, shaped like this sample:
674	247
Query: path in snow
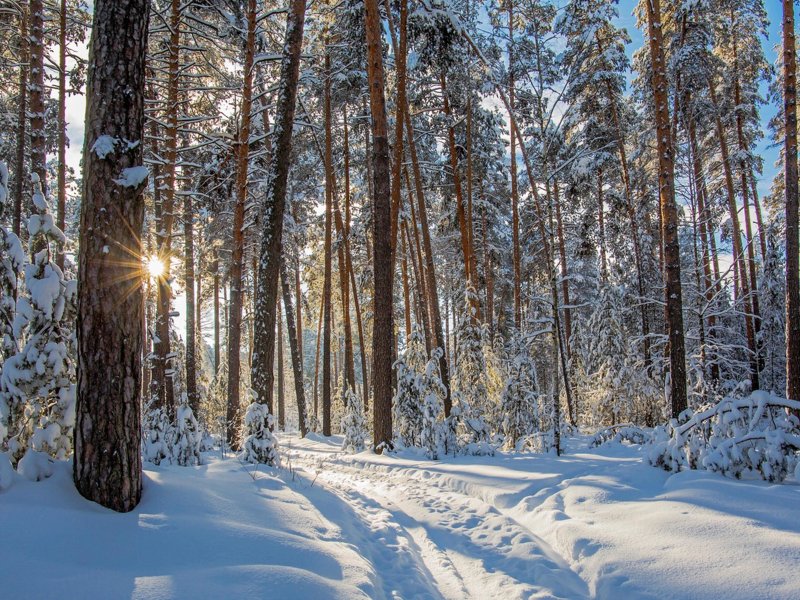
597	523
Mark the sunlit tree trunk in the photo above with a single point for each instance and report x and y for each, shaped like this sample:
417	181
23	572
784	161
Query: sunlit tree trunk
110	284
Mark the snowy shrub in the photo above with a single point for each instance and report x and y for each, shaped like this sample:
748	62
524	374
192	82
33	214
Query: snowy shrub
619	434
260	445
469	387
736	437
407	401
37	388
157	436
35	466
432	393
188	437
6	471
519	402
354	423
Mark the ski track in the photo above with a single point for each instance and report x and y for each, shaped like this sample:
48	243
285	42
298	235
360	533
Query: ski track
437	541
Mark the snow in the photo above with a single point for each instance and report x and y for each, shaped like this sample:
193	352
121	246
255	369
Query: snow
103	146
133	176
593	523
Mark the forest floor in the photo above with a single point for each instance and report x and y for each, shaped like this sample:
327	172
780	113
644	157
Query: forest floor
593	523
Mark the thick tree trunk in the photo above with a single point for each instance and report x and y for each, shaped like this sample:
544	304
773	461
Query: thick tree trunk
273	207
107	464
601	221
669	212
237	254
562	254
382	225
790	192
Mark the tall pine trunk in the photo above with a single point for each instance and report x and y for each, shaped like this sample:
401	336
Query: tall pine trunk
382	225
790	192
236	282
107	464
272	210
669	211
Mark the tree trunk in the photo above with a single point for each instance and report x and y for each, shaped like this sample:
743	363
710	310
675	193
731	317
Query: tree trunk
62	126
281	403
37	93
470	270
382	225
740	273
273	207
790	192
188	275
326	285
107	464
294	351
236	268
215	267
22	118
440	341
516	259
669	212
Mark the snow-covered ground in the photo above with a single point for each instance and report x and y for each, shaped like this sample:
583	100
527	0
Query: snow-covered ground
596	523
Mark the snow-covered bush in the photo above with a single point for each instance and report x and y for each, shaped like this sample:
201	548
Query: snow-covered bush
260	445
354	423
157	435
35	466
621	433
432	393
469	387
188	437
6	471
519	403
407	401
37	382
759	435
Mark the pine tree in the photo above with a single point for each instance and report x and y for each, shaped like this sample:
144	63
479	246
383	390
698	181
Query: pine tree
109	290
38	381
469	387
520	399
354	423
260	445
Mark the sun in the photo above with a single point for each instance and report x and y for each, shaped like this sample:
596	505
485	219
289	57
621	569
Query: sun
155	266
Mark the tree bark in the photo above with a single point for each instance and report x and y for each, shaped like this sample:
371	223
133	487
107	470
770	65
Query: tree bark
272	210
440	341
237	253
37	93
22	118
790	195
62	126
669	212
294	351
382	225
189	280
107	464
326	282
